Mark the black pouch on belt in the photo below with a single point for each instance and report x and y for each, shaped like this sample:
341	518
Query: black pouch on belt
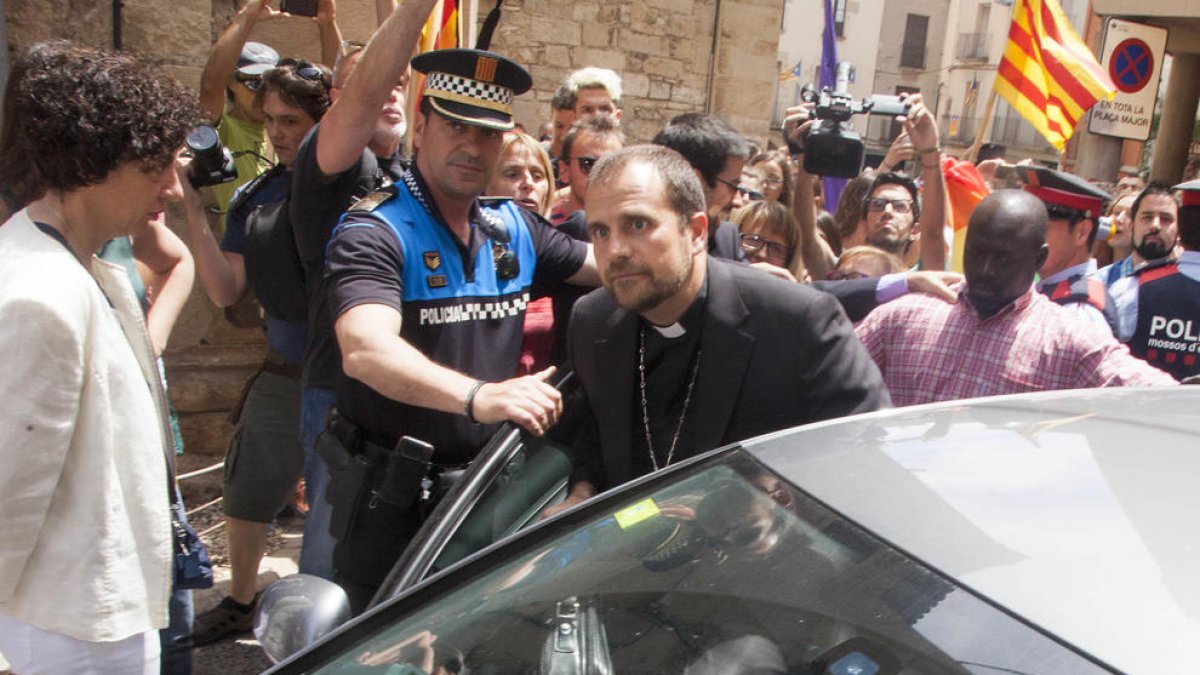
407	467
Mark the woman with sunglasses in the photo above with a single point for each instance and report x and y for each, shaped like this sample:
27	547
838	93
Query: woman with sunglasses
265	459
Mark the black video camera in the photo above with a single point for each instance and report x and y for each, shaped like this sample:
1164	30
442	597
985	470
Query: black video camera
832	147
212	163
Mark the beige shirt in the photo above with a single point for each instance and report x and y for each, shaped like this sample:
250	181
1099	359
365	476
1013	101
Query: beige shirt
85	534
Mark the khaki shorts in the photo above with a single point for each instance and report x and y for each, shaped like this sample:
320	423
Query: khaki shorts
265	458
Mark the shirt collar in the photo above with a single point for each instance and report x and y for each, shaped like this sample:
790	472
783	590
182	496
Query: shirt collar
1017	305
692	319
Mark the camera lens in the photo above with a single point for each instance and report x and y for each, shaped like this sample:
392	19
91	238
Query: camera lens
202	139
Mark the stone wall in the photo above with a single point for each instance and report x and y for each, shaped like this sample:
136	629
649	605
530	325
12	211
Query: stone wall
663	51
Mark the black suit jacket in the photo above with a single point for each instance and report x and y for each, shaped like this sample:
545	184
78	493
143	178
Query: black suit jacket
776	355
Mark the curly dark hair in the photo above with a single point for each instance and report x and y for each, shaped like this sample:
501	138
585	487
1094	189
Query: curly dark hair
74	114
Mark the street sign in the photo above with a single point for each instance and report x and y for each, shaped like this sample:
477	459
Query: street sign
1132	55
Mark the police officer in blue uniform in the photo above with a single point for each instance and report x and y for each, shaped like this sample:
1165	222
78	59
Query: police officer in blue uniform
1163	316
1068	275
428	286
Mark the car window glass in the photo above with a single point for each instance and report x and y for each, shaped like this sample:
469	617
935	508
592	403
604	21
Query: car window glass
724	569
533	479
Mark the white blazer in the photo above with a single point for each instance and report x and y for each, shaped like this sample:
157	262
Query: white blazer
85	533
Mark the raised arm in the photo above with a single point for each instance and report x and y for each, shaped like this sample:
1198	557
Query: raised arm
222	274
223	58
327	28
817	255
921	127
167	271
350	122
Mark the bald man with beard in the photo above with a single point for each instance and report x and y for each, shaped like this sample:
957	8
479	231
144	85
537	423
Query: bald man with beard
1002	337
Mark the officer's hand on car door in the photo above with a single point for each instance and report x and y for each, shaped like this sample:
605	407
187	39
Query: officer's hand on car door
529	401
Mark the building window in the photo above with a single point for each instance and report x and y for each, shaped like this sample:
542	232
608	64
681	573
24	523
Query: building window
912	53
839	17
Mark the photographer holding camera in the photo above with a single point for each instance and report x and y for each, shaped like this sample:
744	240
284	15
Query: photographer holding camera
892	205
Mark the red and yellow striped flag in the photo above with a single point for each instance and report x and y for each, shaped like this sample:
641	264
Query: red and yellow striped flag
1047	73
441	30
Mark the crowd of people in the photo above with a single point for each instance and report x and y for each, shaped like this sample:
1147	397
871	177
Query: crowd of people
696	285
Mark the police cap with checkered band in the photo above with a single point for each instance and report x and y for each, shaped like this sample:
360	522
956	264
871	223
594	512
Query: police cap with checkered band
472	86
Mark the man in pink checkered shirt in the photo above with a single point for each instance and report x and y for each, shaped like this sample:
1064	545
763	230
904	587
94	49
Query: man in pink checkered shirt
1002	337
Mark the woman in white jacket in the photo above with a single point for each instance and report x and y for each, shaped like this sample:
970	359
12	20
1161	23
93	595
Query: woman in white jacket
89	147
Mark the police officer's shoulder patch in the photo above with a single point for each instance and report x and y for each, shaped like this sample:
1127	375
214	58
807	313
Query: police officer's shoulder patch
373	200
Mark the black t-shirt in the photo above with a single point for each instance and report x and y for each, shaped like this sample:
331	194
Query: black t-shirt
479	335
317	204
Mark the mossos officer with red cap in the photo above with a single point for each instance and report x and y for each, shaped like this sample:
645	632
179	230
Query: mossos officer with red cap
1074	207
1160	305
427	286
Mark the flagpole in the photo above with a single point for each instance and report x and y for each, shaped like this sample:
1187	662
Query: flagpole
973	151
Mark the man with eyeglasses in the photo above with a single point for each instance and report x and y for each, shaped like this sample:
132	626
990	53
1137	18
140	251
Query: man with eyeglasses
717	153
228	84
1068	275
1002	336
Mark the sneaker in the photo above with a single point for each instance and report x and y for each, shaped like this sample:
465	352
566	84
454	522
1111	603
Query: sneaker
224	620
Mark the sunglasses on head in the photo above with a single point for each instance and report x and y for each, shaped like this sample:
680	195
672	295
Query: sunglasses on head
305	70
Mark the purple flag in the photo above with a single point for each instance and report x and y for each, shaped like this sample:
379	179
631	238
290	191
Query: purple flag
828	78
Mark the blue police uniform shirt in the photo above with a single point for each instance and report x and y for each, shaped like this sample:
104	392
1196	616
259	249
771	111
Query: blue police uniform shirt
286	337
457	307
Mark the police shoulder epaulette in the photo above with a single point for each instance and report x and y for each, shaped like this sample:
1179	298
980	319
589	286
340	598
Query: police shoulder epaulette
374	199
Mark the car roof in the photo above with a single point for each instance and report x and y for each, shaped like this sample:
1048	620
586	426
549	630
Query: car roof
1077	511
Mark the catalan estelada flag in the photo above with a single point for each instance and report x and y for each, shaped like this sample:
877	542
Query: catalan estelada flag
1047	73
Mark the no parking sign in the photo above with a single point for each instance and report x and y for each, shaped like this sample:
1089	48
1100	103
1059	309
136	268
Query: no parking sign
1132	55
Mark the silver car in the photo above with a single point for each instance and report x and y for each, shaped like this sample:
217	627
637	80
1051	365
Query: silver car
1039	533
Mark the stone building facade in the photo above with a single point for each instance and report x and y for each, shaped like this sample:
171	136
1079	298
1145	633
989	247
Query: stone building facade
675	56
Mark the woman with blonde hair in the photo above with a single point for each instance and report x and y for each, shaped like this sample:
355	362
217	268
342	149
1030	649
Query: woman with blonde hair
770	234
523	173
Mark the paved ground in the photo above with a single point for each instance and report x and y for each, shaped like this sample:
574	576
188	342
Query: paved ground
243	656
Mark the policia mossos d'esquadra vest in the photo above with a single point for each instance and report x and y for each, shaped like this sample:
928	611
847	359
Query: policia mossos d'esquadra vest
1084	289
1168	322
461	306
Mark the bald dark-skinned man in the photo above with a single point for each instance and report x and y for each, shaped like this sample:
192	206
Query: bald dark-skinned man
1002	337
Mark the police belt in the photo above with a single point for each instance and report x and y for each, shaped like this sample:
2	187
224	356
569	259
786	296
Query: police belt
378	447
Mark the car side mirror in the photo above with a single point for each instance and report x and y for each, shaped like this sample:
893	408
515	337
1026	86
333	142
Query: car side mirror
296	611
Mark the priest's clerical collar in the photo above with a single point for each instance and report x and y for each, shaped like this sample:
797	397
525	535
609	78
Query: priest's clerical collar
692	318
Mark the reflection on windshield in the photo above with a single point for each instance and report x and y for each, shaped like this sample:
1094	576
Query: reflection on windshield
725	570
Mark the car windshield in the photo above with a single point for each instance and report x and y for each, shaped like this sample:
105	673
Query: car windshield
724	568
